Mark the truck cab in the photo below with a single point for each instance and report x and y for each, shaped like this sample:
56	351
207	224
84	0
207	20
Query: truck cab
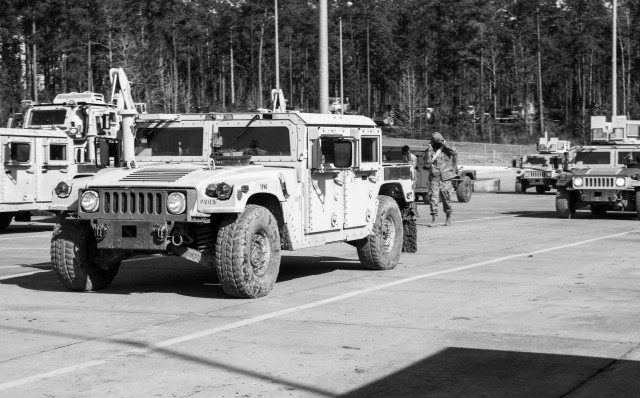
232	190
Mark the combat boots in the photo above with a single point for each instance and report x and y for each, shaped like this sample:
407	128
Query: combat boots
448	220
434	221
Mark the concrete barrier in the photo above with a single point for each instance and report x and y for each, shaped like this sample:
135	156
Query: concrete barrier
486	185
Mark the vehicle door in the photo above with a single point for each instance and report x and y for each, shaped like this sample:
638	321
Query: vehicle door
57	157
325	206
18	180
361	181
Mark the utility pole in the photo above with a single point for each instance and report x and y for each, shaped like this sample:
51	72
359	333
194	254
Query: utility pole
35	65
540	102
323	87
614	62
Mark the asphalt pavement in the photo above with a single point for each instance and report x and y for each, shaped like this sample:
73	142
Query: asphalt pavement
509	301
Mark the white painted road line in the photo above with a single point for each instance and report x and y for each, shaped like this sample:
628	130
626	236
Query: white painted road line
287	311
4	278
25	248
26	236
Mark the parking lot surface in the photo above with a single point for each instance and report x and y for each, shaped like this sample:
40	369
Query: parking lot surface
510	301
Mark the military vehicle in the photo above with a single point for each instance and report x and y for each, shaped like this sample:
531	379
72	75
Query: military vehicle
541	170
231	191
56	141
605	177
462	183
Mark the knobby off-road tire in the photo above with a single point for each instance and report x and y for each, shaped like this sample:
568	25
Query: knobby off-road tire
565	206
599	210
73	249
5	220
381	249
247	258
464	189
410	229
540	189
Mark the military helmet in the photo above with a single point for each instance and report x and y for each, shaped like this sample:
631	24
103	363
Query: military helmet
436	137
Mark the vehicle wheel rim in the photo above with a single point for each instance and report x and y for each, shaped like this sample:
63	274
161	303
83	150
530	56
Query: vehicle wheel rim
260	255
388	234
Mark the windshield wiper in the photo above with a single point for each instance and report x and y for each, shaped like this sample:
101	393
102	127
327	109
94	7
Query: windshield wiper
246	130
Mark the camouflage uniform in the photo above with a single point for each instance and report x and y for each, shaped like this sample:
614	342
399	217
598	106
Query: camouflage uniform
440	175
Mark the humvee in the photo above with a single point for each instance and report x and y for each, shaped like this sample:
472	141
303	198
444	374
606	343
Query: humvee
604	176
232	191
541	170
55	141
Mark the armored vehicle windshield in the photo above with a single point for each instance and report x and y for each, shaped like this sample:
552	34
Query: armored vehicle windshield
256	141
536	160
48	117
593	158
175	141
625	157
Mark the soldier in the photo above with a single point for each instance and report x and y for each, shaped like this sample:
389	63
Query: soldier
439	160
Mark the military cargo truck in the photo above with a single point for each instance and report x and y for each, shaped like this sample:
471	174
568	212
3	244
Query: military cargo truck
604	176
231	191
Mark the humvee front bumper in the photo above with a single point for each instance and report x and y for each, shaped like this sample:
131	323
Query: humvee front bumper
132	234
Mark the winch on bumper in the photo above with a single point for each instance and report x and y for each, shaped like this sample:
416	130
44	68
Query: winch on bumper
137	219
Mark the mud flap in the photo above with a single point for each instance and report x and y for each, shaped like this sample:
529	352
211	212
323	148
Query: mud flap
409	217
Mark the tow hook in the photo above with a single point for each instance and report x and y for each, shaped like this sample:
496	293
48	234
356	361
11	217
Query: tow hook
160	232
100	231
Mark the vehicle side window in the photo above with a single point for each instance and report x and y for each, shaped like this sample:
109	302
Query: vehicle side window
57	152
633	130
370	149
20	152
336	152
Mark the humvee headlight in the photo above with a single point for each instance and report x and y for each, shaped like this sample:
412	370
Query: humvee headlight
176	203
221	191
578	181
62	190
621	182
224	191
549	173
89	201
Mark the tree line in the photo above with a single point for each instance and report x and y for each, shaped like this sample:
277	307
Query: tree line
468	68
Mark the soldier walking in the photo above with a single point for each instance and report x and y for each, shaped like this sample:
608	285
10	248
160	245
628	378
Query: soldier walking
439	160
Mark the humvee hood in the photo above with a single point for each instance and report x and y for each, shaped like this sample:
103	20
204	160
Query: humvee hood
605	172
178	175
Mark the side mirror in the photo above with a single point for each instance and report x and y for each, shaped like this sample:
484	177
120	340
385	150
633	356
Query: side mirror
20	152
342	151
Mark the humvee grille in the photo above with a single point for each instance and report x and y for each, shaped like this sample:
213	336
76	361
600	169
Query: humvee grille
128	202
534	174
164	175
599	182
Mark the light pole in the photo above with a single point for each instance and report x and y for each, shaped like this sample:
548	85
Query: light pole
323	89
349	4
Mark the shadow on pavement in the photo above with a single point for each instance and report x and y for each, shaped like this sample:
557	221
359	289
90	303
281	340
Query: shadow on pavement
465	372
178	276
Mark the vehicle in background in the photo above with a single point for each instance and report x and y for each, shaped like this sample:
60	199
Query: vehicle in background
604	176
541	170
56	141
462	183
